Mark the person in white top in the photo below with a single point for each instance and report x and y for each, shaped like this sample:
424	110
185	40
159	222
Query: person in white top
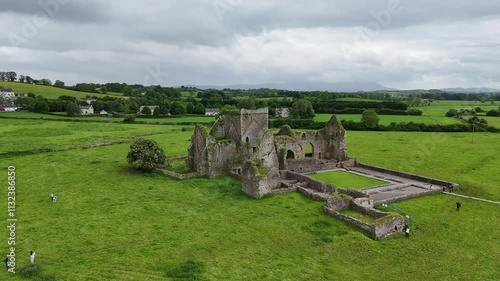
32	257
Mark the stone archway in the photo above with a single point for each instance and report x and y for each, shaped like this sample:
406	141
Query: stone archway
290	155
309	151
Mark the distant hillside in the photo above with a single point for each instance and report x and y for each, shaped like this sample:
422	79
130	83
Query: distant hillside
471	90
47	91
307	86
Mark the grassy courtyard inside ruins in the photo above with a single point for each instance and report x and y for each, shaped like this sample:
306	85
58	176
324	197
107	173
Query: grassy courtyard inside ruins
343	179
112	224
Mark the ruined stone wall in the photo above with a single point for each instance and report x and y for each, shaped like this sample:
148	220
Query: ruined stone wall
384	226
312	183
254	124
409	196
179	176
353	193
390	226
257	180
334	137
338	203
219	154
366	226
312	165
406	175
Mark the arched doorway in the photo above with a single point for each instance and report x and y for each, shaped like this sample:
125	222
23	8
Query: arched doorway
309	151
290	155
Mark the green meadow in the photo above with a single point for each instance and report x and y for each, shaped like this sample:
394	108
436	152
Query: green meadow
388	119
48	91
432	114
346	180
64	116
112	223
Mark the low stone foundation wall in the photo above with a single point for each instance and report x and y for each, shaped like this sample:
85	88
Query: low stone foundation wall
410	196
179	176
283	190
353	193
312	165
338	203
312	183
406	175
386	225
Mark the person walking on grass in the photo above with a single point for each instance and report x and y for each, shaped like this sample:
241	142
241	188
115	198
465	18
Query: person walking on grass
32	257
458	206
7	263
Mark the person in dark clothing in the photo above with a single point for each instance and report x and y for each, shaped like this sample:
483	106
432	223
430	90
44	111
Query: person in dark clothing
458	206
7	263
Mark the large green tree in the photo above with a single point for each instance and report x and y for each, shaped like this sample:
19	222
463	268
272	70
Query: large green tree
302	109
40	106
72	109
147	153
370	118
178	108
146	111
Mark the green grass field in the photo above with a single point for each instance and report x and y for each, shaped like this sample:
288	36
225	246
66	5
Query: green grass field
49	92
470	159
439	108
113	224
432	114
58	115
346	180
388	119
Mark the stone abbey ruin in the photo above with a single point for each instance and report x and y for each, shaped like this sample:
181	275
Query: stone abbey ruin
240	144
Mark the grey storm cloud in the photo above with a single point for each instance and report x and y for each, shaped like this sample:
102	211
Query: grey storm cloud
399	43
63	10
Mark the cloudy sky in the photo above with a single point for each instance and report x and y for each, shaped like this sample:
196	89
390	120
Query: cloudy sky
402	44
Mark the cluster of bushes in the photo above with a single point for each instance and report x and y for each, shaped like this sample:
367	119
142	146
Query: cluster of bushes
402	126
382	111
459	113
493	113
331	106
420	127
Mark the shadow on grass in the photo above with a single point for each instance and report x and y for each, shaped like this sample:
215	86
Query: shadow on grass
191	270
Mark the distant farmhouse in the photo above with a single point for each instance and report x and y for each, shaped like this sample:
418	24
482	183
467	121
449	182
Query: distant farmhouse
23	95
211	111
8	107
282	112
7	94
103	112
86	110
151	107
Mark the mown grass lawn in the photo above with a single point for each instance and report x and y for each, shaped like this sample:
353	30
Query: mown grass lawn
113	224
346	180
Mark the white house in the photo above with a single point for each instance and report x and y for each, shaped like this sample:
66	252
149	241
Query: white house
8	107
282	112
151	107
211	111
86	110
7	94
